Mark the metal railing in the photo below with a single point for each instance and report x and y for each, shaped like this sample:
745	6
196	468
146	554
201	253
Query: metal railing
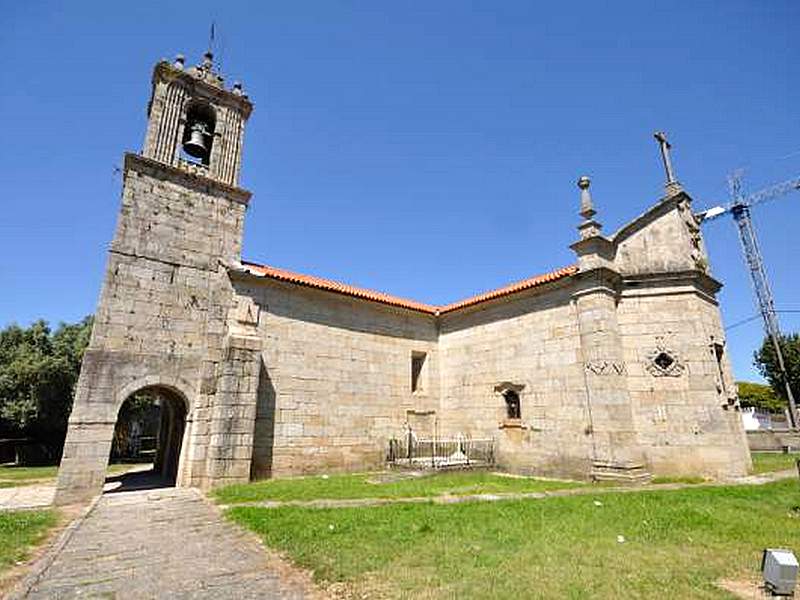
440	453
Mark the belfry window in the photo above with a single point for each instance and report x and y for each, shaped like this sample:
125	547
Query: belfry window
198	133
513	405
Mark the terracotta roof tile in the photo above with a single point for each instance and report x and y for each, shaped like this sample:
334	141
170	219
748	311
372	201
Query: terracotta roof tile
525	284
349	290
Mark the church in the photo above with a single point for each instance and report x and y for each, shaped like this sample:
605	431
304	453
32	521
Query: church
614	367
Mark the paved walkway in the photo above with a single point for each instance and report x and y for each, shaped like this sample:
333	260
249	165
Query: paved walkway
164	543
27	496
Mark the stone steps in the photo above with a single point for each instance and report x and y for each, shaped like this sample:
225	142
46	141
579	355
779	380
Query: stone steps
621	472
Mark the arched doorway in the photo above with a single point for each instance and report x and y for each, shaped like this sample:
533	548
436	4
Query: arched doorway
149	430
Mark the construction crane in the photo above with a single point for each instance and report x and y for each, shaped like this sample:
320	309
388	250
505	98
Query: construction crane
739	208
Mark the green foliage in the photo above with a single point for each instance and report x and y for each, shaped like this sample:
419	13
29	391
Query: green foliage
767	363
141	408
675	544
38	372
758	395
456	483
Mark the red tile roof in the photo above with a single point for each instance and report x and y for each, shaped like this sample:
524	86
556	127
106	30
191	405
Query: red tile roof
525	284
349	290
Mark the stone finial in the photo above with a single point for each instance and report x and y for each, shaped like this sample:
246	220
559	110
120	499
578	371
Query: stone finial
206	71
237	88
589	227
587	208
180	61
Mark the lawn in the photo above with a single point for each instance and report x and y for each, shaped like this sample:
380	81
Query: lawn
20	531
383	485
13	475
674	544
765	462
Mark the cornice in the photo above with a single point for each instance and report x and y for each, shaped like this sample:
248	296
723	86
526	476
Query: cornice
197	182
656	283
165	72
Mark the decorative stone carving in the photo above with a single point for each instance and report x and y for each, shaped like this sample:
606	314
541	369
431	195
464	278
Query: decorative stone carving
664	361
505	386
692	224
247	311
606	367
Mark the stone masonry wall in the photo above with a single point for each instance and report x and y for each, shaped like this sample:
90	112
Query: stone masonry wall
685	414
161	319
685	417
530	339
335	383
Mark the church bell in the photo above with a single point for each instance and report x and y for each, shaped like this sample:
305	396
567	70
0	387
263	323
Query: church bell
196	144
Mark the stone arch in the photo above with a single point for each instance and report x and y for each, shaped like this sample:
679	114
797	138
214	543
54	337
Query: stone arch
175	417
179	386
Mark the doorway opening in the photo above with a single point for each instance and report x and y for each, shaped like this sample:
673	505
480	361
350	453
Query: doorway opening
148	435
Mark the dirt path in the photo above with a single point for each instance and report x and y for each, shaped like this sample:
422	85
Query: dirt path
27	496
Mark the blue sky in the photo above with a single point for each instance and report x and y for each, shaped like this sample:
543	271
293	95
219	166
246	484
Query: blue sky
426	149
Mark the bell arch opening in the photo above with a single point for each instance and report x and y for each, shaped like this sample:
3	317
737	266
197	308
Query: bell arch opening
198	134
150	428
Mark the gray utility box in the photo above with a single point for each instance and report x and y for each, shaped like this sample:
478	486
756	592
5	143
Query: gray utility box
779	568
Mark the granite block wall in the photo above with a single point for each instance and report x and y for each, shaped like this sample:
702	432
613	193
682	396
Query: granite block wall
335	383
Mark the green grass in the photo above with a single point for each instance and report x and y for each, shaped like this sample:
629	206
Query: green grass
365	485
20	531
766	462
677	543
13	475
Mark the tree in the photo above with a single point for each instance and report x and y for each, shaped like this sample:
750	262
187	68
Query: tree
38	372
760	396
767	363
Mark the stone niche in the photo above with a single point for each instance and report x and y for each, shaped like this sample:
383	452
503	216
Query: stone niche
511	393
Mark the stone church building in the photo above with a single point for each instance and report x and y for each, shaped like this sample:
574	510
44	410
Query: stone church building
613	365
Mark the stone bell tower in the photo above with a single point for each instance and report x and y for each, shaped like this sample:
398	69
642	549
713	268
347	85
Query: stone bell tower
161	325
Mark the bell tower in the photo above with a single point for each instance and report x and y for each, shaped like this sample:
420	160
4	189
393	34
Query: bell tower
162	321
194	123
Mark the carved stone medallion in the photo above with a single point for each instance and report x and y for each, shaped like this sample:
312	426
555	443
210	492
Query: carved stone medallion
664	361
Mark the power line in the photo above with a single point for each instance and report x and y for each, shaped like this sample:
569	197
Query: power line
743	322
758	316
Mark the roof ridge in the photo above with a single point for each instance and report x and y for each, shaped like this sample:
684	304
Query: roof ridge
376	296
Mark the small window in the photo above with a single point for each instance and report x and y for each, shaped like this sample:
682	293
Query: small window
513	407
417	364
